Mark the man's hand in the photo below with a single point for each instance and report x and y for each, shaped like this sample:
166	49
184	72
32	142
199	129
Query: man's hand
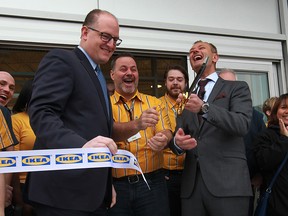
185	142
194	103
8	195
158	142
101	141
149	118
114	195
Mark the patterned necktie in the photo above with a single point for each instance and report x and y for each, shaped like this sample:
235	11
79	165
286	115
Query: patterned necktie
103	86
201	93
202	84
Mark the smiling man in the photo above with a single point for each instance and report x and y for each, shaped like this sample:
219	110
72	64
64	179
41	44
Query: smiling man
215	179
70	108
145	132
176	82
7	137
7	87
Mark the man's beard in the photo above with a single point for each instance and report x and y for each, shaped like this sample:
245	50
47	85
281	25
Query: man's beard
173	93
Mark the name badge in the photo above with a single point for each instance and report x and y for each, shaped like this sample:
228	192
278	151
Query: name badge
134	137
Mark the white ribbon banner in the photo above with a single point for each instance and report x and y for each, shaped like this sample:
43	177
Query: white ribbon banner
63	159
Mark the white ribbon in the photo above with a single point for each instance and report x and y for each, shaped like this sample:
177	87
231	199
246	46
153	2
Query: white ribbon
63	159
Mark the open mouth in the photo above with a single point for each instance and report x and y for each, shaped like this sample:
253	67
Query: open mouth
3	97
197	57
128	82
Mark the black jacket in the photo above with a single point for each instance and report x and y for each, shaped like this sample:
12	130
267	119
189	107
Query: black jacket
270	150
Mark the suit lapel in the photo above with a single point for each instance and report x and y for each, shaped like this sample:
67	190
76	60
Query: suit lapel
86	64
216	90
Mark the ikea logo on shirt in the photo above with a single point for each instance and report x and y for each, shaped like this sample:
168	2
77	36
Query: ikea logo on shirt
68	158
99	157
37	160
7	161
121	158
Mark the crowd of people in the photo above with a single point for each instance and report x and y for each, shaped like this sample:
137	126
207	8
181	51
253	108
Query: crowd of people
208	159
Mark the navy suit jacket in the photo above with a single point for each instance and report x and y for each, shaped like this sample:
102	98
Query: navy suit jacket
220	151
66	110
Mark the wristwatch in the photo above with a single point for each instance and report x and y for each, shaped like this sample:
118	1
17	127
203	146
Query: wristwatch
204	108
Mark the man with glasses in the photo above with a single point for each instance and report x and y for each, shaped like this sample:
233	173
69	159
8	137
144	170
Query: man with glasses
70	108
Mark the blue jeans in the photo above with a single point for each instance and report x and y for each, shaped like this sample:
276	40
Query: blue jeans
135	199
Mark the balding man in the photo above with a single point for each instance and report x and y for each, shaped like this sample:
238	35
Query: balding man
7	87
70	108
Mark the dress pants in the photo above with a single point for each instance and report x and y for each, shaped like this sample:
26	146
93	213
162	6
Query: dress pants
203	203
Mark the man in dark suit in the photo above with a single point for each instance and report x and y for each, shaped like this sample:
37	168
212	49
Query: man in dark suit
216	179
70	108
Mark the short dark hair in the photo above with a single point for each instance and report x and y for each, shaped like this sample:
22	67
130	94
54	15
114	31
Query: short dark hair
177	67
125	54
212	46
23	98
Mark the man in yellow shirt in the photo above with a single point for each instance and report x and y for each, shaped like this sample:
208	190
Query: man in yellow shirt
7	138
176	81
146	132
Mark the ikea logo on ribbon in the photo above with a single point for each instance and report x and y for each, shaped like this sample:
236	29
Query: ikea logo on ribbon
121	159
37	160
99	157
136	163
7	162
68	158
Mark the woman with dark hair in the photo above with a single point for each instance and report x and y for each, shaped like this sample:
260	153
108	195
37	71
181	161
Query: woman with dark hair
23	131
271	147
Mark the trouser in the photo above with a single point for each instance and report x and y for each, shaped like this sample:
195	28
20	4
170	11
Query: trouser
135	199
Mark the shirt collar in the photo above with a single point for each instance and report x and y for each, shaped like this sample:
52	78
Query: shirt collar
214	77
93	64
170	101
117	96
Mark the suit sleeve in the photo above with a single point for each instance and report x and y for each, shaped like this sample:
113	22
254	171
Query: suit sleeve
52	87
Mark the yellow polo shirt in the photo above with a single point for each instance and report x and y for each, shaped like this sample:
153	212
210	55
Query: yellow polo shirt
25	135
7	137
148	159
171	161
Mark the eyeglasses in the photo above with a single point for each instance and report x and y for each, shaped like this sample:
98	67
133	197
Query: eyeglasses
107	37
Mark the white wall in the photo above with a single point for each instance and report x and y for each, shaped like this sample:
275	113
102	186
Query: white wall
245	15
242	30
54	9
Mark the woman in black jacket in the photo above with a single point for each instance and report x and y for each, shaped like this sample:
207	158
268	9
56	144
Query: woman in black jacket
271	147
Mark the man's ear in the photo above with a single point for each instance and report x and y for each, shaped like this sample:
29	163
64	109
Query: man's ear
215	57
112	74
